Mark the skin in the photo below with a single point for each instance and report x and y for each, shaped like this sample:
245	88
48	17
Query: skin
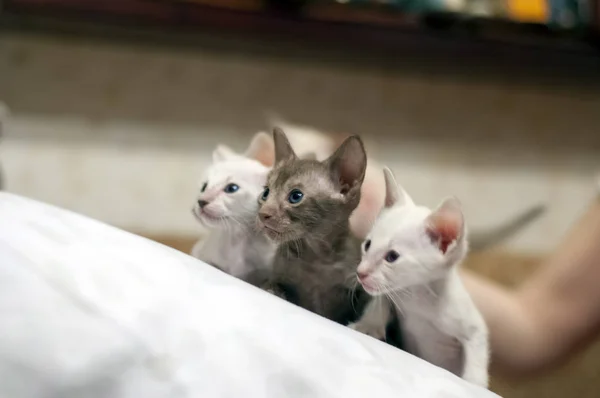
554	314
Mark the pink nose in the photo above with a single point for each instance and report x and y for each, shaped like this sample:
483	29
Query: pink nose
264	216
362	275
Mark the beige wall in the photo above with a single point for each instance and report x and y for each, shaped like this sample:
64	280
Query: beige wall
120	132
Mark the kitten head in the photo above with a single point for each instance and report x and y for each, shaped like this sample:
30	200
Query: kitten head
306	196
411	245
230	186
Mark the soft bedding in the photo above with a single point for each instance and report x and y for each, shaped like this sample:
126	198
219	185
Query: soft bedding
87	310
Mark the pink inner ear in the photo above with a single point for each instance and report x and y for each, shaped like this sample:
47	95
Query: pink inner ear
443	229
262	149
265	156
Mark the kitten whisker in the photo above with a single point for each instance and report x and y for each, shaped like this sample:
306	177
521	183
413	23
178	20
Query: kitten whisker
297	242
240	223
353	294
398	303
408	293
430	290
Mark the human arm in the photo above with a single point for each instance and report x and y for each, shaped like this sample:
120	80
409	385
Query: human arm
553	314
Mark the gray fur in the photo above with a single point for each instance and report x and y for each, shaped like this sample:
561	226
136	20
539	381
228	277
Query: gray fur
316	258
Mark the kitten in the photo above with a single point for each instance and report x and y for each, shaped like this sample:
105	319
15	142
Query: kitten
411	257
227	206
305	139
304	208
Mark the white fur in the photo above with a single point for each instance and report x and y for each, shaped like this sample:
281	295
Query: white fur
304	139
440	322
233	244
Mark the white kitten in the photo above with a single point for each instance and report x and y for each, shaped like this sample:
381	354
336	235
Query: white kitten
410	259
227	206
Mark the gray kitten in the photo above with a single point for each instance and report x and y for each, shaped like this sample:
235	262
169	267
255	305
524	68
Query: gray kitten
305	209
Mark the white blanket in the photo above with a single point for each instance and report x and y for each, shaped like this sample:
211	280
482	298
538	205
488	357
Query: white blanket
87	310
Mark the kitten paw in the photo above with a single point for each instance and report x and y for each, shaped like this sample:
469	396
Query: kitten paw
374	331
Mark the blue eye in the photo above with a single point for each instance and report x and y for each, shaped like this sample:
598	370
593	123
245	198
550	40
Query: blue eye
265	194
231	188
295	196
367	245
204	187
391	256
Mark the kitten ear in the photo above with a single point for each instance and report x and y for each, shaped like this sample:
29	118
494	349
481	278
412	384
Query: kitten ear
283	148
348	163
394	193
445	225
222	153
262	149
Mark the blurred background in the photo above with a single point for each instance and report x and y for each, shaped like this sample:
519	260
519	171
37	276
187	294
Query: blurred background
115	107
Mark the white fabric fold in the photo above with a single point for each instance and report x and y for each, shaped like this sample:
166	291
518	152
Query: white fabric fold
88	310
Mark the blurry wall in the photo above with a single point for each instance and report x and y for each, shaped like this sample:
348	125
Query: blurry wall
121	132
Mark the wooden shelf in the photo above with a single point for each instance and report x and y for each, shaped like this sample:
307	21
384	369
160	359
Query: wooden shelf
318	24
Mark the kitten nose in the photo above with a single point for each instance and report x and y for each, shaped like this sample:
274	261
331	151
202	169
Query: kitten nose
362	275
202	203
264	216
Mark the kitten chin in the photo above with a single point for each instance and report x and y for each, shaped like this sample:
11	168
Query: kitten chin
208	220
273	235
280	238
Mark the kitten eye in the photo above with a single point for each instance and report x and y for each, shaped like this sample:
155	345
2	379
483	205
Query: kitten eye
265	194
204	187
231	188
367	245
295	196
391	256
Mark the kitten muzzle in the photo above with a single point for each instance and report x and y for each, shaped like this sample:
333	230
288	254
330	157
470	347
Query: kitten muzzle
269	221
205	218
366	283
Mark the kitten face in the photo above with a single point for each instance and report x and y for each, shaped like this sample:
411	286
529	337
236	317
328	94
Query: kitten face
410	245
228	190
304	196
398	252
297	198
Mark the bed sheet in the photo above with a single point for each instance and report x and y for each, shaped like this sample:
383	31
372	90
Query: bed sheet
88	310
